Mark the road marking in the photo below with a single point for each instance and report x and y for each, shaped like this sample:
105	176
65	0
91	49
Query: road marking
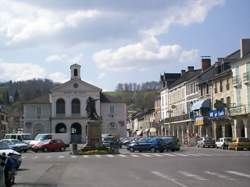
219	175
179	154
110	156
23	157
35	157
98	156
203	154
73	156
146	155
61	156
136	156
124	156
196	155
48	157
168	154
173	180
197	177
159	155
239	174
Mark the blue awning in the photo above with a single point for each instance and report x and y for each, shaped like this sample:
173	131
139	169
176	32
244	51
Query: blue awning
204	103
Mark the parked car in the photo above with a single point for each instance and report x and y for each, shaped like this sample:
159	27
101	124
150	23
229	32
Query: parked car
147	144
49	145
111	141
206	142
4	148
239	144
171	143
16	144
40	138
223	142
24	137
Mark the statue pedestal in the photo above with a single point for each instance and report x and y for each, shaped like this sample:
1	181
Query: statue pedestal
94	133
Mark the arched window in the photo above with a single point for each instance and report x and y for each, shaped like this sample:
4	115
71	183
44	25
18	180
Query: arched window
61	128
60	106
75	106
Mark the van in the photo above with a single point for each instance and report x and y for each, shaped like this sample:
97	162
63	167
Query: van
24	137
47	136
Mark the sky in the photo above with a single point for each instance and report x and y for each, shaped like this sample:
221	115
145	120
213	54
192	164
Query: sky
116	41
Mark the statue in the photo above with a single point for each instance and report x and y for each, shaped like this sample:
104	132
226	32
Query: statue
91	110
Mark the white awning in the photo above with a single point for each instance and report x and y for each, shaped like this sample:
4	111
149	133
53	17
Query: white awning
152	130
138	133
203	103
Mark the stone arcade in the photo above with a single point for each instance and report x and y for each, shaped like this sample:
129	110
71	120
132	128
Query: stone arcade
63	111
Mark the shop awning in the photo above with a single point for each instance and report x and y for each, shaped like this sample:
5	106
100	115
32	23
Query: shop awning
152	130
145	130
204	103
138	133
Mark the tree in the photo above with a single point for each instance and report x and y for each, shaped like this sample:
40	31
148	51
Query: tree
16	96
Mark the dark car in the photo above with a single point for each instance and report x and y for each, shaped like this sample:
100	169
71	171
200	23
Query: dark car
111	141
147	144
49	145
171	143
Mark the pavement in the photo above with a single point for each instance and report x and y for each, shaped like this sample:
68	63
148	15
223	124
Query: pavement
186	168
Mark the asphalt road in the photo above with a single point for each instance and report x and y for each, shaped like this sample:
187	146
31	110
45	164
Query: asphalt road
188	168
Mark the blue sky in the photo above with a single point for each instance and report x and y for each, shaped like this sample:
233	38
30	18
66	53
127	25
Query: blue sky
116	41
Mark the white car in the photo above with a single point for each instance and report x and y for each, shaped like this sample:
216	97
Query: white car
223	142
4	148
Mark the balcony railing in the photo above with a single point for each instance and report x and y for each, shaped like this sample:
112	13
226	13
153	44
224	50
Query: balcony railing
236	81
177	118
237	110
246	77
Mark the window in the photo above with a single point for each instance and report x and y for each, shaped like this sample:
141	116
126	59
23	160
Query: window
39	111
75	106
61	128
112	125
221	86
228	101
207	89
60	106
112	109
227	85
75	72
215	87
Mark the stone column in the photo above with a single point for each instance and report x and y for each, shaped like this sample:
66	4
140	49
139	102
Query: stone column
223	129
214	127
247	128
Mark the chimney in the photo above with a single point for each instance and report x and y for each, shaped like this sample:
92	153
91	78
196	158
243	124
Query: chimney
244	47
205	62
190	68
183	71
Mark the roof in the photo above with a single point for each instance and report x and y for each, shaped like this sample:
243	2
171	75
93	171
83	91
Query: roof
110	99
234	55
44	99
185	77
207	75
169	78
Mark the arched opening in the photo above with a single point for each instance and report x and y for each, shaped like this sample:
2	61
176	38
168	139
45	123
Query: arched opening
228	130
75	106
61	128
60	106
76	133
240	128
219	131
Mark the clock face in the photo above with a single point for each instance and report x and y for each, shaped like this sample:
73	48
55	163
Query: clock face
76	85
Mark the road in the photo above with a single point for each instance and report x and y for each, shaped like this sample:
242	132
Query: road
187	168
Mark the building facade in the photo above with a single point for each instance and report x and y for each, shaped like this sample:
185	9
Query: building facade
63	111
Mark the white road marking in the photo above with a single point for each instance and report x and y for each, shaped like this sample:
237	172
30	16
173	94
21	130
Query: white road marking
159	155
196	155
219	175
124	156
146	155
35	157
179	154
239	174
168	154
85	156
98	156
173	180
110	156
61	156
48	157
73	156
197	177
136	156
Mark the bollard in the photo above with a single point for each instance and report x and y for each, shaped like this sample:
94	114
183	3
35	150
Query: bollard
74	149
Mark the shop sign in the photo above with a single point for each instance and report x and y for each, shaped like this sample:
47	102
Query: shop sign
199	120
216	113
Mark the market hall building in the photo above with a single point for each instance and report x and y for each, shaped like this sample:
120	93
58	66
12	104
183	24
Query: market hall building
63	111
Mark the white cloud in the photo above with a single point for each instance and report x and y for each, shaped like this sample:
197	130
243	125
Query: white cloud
26	71
141	56
65	58
20	22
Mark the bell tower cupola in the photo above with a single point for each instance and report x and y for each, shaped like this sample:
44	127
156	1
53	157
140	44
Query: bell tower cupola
75	71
